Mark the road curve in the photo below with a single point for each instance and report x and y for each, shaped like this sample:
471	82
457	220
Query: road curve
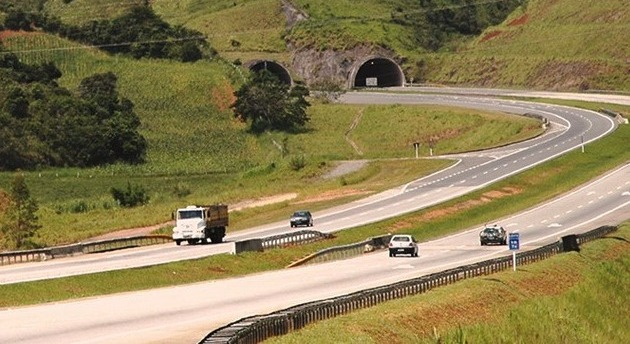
569	129
184	314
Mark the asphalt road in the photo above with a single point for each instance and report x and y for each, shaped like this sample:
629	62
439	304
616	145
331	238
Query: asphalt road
569	129
185	314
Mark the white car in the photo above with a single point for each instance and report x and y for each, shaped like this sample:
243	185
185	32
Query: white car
403	244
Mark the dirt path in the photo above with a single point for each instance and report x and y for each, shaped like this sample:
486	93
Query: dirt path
342	168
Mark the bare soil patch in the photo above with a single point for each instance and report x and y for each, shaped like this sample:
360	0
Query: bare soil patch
438	213
490	35
333	194
520	20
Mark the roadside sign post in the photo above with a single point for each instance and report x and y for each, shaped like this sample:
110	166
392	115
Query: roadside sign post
416	145
514	246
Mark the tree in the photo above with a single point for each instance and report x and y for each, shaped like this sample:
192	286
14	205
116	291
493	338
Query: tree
21	219
269	104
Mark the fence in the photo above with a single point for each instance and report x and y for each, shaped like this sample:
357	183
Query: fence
258	328
81	248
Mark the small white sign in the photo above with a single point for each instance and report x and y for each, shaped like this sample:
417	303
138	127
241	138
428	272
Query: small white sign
371	82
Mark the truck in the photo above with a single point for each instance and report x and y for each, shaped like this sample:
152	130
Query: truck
196	224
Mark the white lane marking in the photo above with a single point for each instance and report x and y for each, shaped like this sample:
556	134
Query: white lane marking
553	225
404	266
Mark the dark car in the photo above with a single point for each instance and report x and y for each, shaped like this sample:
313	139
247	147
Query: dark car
302	218
493	235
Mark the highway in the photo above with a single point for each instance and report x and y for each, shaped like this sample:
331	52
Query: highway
184	314
569	129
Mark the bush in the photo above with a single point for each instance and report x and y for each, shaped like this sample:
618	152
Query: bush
297	162
133	196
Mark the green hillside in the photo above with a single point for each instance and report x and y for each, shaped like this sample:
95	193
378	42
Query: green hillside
544	44
557	45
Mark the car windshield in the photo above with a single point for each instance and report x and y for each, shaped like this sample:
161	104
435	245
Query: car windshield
300	214
190	214
401	238
491	231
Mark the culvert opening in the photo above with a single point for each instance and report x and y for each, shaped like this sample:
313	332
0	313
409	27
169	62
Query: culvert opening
275	69
379	72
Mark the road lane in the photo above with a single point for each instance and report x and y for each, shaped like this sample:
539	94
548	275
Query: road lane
184	314
569	127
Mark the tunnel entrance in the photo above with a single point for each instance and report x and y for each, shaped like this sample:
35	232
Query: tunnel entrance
378	72
273	67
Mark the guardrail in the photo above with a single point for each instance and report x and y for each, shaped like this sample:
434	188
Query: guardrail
345	251
616	115
257	328
294	238
283	240
14	257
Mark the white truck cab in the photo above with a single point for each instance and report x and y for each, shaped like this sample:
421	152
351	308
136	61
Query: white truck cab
197	224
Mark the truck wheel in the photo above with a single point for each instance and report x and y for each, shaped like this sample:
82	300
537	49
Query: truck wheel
216	239
178	242
191	242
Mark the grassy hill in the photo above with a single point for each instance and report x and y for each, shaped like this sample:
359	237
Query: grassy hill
559	45
545	44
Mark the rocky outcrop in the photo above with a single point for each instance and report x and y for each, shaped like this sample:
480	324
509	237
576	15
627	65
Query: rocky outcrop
292	13
315	66
330	66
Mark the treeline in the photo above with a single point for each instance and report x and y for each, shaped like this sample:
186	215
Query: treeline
43	124
436	22
138	33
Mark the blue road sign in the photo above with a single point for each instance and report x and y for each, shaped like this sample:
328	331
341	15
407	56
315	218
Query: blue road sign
514	241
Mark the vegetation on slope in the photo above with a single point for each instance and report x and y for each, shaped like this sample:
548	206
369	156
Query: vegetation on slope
557	45
560	44
198	153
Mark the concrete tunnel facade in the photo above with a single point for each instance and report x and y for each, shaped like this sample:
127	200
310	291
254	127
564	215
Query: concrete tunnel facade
376	71
274	67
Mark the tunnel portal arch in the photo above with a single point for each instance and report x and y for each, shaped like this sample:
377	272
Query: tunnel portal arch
274	67
377	72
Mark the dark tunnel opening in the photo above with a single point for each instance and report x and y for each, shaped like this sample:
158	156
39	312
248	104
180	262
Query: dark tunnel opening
379	72
275	68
